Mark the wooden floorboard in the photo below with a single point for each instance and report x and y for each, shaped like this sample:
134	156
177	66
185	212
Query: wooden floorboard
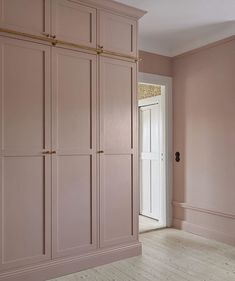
168	255
147	224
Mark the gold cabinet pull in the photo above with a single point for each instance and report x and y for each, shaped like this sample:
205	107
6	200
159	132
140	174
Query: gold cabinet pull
46	152
53	152
100	151
100	49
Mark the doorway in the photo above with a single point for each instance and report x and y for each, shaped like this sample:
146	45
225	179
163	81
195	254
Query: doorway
154	152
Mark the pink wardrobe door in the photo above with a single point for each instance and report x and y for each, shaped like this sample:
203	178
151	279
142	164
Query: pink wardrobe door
74	164
118	209
73	22
25	184
30	16
118	33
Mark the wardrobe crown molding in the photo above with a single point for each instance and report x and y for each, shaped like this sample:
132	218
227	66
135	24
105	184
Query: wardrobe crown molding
115	7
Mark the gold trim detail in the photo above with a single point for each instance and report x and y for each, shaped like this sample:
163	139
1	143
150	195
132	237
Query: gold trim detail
51	39
32	36
119	55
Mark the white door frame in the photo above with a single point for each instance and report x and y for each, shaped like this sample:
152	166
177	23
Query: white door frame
167	113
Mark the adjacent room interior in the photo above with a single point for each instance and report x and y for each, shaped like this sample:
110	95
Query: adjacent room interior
117	139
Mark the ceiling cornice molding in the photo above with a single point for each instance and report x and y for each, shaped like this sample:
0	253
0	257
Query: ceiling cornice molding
190	51
115	7
207	46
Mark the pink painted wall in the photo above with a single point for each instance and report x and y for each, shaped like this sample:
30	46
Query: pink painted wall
155	64
204	133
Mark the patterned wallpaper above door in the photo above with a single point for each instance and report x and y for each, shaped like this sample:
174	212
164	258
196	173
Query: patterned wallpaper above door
148	90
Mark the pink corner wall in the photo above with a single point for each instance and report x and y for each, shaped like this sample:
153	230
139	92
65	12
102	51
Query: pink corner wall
204	134
155	64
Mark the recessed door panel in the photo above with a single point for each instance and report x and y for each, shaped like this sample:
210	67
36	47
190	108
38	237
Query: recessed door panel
73	22
150	161
74	202
73	98
23	197
25	170
116	224
74	163
118	141
23	99
118	33
30	16
116	105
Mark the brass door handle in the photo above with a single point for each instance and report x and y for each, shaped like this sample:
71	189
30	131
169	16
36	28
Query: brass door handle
53	152
100	151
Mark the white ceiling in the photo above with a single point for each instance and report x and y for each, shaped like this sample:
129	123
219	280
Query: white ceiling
172	27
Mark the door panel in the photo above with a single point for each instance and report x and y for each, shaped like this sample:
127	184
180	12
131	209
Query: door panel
118	140
23	199
74	96
25	171
74	164
150	157
116	105
74	202
117	198
30	16
145	203
118	34
73	22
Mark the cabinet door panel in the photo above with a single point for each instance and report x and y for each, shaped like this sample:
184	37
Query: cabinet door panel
74	23
117	190
25	172
30	16
74	205
118	34
23	200
74	165
118	140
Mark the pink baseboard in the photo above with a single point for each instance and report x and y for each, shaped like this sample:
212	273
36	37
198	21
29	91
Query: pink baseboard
207	223
65	266
205	232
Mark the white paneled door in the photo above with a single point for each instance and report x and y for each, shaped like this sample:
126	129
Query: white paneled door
150	161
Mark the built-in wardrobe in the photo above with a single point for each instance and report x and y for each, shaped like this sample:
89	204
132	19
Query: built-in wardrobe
68	136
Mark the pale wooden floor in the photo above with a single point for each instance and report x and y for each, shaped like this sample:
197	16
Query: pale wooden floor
148	224
171	255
